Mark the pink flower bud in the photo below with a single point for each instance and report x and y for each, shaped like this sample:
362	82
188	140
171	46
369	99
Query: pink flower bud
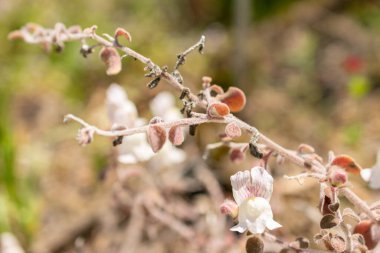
236	155
85	135
218	110
230	208
337	176
176	136
233	130
206	81
111	59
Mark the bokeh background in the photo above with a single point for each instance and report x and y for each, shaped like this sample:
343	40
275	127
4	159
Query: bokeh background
310	69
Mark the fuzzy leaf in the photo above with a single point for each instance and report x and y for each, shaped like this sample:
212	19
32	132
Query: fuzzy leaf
176	136
111	59
232	130
122	32
217	110
338	243
234	98
156	137
329	221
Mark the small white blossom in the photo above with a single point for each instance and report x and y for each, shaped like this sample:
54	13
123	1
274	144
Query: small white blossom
252	191
123	112
163	105
372	175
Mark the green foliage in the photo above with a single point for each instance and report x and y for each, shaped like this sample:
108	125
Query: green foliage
358	86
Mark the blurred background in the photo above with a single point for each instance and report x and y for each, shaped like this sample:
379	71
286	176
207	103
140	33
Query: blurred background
310	69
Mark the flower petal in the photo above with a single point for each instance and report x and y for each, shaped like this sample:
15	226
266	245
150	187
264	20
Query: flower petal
272	224
256	227
262	183
366	174
241	228
239	183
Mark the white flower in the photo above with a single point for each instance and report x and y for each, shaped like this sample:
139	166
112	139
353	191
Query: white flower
252	191
163	105
372	175
123	112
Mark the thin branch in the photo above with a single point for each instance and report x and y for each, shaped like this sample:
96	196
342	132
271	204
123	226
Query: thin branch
275	239
182	56
358	202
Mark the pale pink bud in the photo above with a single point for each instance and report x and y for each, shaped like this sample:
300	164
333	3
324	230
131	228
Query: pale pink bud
236	155
230	208
156	135
337	176
206	81
233	130
111	59
85	135
217	110
176	136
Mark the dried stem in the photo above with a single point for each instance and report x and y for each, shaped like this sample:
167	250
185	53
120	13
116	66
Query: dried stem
358	202
182	56
275	239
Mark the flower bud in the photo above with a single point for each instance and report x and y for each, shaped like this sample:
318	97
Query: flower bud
229	208
337	176
217	110
236	155
206	81
85	135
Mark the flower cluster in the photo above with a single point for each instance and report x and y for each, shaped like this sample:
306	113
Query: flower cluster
135	148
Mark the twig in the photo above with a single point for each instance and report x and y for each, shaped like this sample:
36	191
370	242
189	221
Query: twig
134	231
182	56
170	221
275	239
358	202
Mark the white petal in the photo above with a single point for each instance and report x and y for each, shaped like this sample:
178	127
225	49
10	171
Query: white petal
127	159
162	103
240	182
366	174
168	156
262	183
241	228
116	94
256	227
272	224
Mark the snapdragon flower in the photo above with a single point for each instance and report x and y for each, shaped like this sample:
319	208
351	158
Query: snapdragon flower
252	191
